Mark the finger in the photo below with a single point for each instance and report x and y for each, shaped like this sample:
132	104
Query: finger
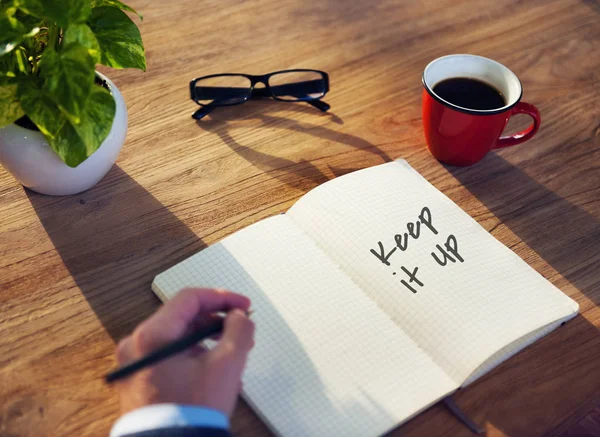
196	351
124	352
202	321
238	335
190	303
215	337
172	320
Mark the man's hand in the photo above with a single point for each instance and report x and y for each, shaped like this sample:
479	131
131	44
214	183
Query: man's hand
194	377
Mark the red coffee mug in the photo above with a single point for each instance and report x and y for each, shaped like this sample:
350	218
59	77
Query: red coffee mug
462	136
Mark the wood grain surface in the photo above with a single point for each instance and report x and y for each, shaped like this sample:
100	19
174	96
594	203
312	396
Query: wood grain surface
75	272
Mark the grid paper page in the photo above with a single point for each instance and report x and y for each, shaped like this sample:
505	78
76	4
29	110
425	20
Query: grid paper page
327	360
462	306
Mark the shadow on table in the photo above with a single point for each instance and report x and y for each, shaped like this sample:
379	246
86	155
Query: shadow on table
562	233
302	174
114	239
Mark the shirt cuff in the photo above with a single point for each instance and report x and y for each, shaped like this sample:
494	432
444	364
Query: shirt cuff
160	416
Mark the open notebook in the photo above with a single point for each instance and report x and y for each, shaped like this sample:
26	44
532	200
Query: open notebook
375	296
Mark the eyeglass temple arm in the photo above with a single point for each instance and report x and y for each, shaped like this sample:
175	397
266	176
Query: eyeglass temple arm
319	104
202	112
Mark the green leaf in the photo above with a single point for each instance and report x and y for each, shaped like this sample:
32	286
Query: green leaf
40	108
75	143
7	7
29	21
62	12
14	64
13	31
115	4
7	67
69	76
119	38
10	107
81	34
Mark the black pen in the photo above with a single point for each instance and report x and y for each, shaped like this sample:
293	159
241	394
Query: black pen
167	351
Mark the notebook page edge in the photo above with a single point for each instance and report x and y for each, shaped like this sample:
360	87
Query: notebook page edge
513	348
259	413
419	411
341	178
157	291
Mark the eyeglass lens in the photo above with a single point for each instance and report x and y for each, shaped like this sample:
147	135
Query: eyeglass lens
297	85
222	90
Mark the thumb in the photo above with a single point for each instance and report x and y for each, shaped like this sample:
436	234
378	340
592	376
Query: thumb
238	334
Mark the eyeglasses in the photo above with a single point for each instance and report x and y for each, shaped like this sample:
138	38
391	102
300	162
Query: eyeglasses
233	89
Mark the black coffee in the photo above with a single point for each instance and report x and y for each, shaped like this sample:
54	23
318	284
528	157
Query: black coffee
470	93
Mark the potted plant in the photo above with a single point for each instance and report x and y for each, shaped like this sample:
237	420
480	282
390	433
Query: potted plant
62	123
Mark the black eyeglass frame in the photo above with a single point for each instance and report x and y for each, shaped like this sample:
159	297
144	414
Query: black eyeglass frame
260	92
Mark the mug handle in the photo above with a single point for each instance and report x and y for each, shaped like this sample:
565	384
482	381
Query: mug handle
524	135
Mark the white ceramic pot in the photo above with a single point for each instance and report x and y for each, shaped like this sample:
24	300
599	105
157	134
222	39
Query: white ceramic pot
28	157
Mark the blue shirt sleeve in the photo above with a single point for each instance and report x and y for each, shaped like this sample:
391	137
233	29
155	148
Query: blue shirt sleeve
168	416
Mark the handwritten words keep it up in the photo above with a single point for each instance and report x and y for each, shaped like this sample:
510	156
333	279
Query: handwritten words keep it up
442	255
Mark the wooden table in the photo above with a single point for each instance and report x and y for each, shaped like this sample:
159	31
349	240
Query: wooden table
76	271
